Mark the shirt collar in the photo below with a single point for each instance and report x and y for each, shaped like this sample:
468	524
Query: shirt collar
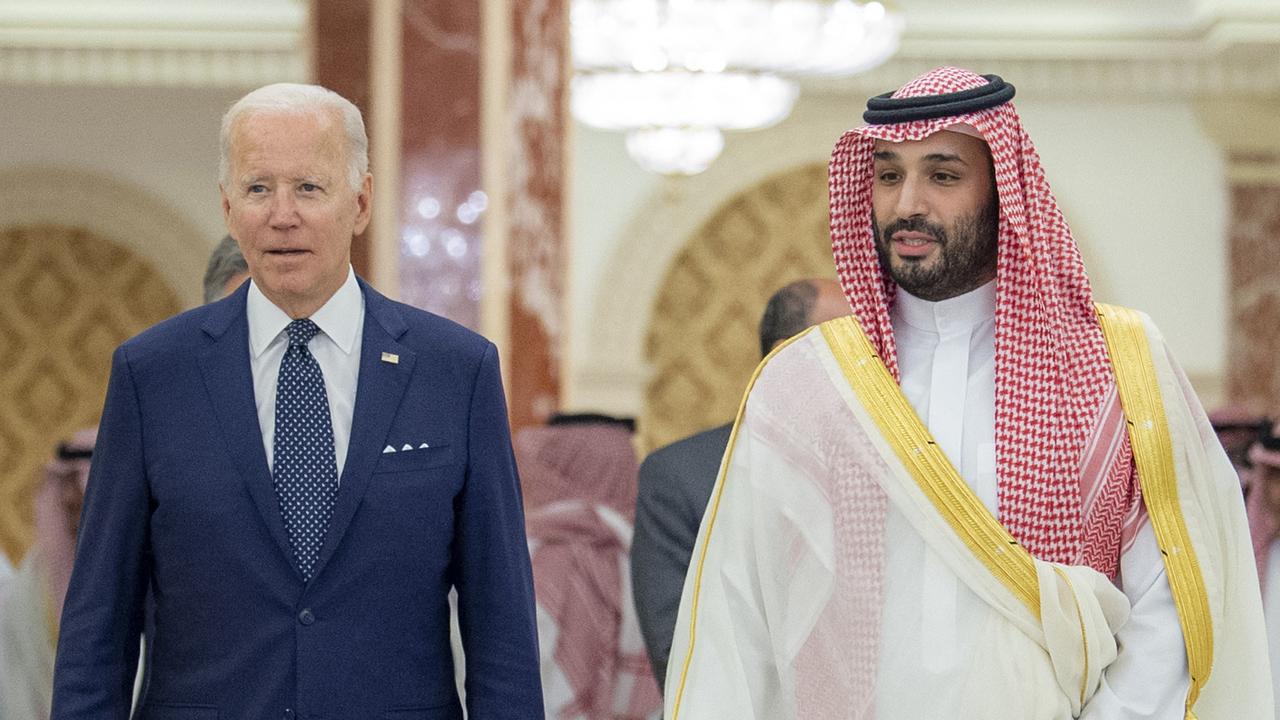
960	313
338	318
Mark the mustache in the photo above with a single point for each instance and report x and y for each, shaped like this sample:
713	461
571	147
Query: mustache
913	224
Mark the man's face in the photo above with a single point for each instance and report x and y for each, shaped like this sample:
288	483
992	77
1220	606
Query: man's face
290	207
935	214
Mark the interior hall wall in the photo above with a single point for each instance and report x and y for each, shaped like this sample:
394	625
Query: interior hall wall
163	142
1142	184
131	175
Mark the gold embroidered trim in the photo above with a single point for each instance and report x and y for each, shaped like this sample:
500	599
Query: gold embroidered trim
711	521
897	421
1153	455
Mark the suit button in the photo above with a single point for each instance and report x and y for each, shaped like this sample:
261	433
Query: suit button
306	617
288	714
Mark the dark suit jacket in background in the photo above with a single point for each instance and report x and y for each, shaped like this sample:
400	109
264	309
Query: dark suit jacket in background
180	501
675	485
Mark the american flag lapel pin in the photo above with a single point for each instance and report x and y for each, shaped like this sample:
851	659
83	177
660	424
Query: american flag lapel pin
392	358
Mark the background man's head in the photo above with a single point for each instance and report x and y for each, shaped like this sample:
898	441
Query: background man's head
797	306
1264	455
295	190
65	478
226	270
935	213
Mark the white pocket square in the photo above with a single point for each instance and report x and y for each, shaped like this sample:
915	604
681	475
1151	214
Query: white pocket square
407	447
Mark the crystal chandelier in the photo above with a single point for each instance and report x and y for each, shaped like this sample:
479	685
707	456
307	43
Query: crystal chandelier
673	74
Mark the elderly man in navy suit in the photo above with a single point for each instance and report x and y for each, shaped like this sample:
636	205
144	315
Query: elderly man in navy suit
299	474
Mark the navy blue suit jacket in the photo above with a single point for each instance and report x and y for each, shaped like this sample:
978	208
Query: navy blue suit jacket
180	503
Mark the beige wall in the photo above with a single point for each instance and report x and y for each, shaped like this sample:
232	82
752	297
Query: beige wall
161	143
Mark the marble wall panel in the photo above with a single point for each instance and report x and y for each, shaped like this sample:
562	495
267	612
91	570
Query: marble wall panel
442	200
340	62
1254	354
537	246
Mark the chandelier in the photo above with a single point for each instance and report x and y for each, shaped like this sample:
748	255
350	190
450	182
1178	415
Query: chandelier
674	74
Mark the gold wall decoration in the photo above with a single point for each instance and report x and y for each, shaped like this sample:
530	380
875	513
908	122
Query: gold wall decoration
67	299
703	341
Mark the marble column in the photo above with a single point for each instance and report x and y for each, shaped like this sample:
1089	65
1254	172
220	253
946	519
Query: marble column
1247	132
536	191
1254	364
340	62
478	233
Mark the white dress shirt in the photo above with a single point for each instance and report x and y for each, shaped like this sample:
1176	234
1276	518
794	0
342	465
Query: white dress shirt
336	348
946	355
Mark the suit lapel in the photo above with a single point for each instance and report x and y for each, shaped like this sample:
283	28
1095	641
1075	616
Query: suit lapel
224	362
379	389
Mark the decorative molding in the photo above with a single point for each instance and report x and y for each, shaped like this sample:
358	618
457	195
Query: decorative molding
1254	169
196	43
1245	128
1190	76
1216	49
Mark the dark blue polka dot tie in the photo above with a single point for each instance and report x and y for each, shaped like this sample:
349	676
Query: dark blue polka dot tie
305	471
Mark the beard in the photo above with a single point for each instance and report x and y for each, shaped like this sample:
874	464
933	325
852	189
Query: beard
965	258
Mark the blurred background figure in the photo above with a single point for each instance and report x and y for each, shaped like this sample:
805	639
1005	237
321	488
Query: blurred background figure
1262	503
578	474
31	600
1237	427
226	270
676	481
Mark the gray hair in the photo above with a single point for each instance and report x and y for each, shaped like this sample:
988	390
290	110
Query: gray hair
225	263
296	98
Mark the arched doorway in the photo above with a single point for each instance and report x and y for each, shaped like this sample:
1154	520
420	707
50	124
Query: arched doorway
67	298
702	340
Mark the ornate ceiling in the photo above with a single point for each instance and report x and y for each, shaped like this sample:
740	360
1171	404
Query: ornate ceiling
1138	47
193	43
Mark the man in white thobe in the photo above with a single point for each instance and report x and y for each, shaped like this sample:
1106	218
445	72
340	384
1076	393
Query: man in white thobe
981	495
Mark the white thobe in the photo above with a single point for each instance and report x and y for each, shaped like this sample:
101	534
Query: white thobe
946	356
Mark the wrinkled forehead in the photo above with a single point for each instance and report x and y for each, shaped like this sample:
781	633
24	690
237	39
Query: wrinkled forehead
259	126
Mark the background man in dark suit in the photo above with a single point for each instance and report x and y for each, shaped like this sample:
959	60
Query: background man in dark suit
300	473
225	271
676	480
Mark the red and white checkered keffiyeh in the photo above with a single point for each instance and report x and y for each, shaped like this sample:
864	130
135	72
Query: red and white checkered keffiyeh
574	476
1066	485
